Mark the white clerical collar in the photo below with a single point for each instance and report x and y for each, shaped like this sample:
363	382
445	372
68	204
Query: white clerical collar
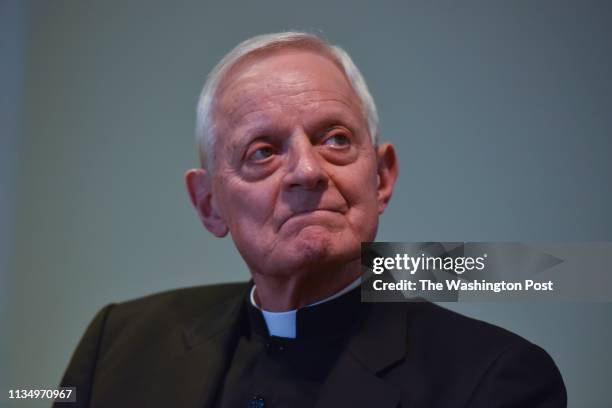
283	324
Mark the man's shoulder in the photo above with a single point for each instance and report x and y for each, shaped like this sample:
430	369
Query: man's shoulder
487	364
436	325
168	310
187	298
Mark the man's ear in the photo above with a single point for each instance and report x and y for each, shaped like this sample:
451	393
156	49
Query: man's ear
388	171
199	184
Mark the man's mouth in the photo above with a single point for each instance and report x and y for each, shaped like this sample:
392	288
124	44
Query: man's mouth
305	213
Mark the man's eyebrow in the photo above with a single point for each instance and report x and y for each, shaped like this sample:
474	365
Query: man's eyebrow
328	117
251	131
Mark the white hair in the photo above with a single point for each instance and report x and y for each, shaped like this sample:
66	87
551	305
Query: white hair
205	126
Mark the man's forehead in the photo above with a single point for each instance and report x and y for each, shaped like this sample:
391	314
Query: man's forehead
286	78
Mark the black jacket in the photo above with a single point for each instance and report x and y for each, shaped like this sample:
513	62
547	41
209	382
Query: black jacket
172	350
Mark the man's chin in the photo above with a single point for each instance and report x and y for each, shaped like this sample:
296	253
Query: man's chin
318	247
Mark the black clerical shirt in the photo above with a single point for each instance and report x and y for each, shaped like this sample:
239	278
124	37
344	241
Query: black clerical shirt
269	371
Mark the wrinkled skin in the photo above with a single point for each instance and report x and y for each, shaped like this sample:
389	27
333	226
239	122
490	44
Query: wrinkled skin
296	180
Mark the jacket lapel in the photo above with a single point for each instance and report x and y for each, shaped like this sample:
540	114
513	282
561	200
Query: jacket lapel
209	345
378	344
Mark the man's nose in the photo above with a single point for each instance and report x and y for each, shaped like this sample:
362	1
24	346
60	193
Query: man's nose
305	167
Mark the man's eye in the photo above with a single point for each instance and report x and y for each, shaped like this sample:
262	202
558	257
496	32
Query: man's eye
338	140
261	153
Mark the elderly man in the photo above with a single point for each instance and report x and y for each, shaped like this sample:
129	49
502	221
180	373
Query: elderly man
293	170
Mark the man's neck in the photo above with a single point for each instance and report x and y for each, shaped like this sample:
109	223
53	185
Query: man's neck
280	294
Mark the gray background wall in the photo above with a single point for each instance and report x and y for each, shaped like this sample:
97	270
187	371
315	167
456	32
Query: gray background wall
500	112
